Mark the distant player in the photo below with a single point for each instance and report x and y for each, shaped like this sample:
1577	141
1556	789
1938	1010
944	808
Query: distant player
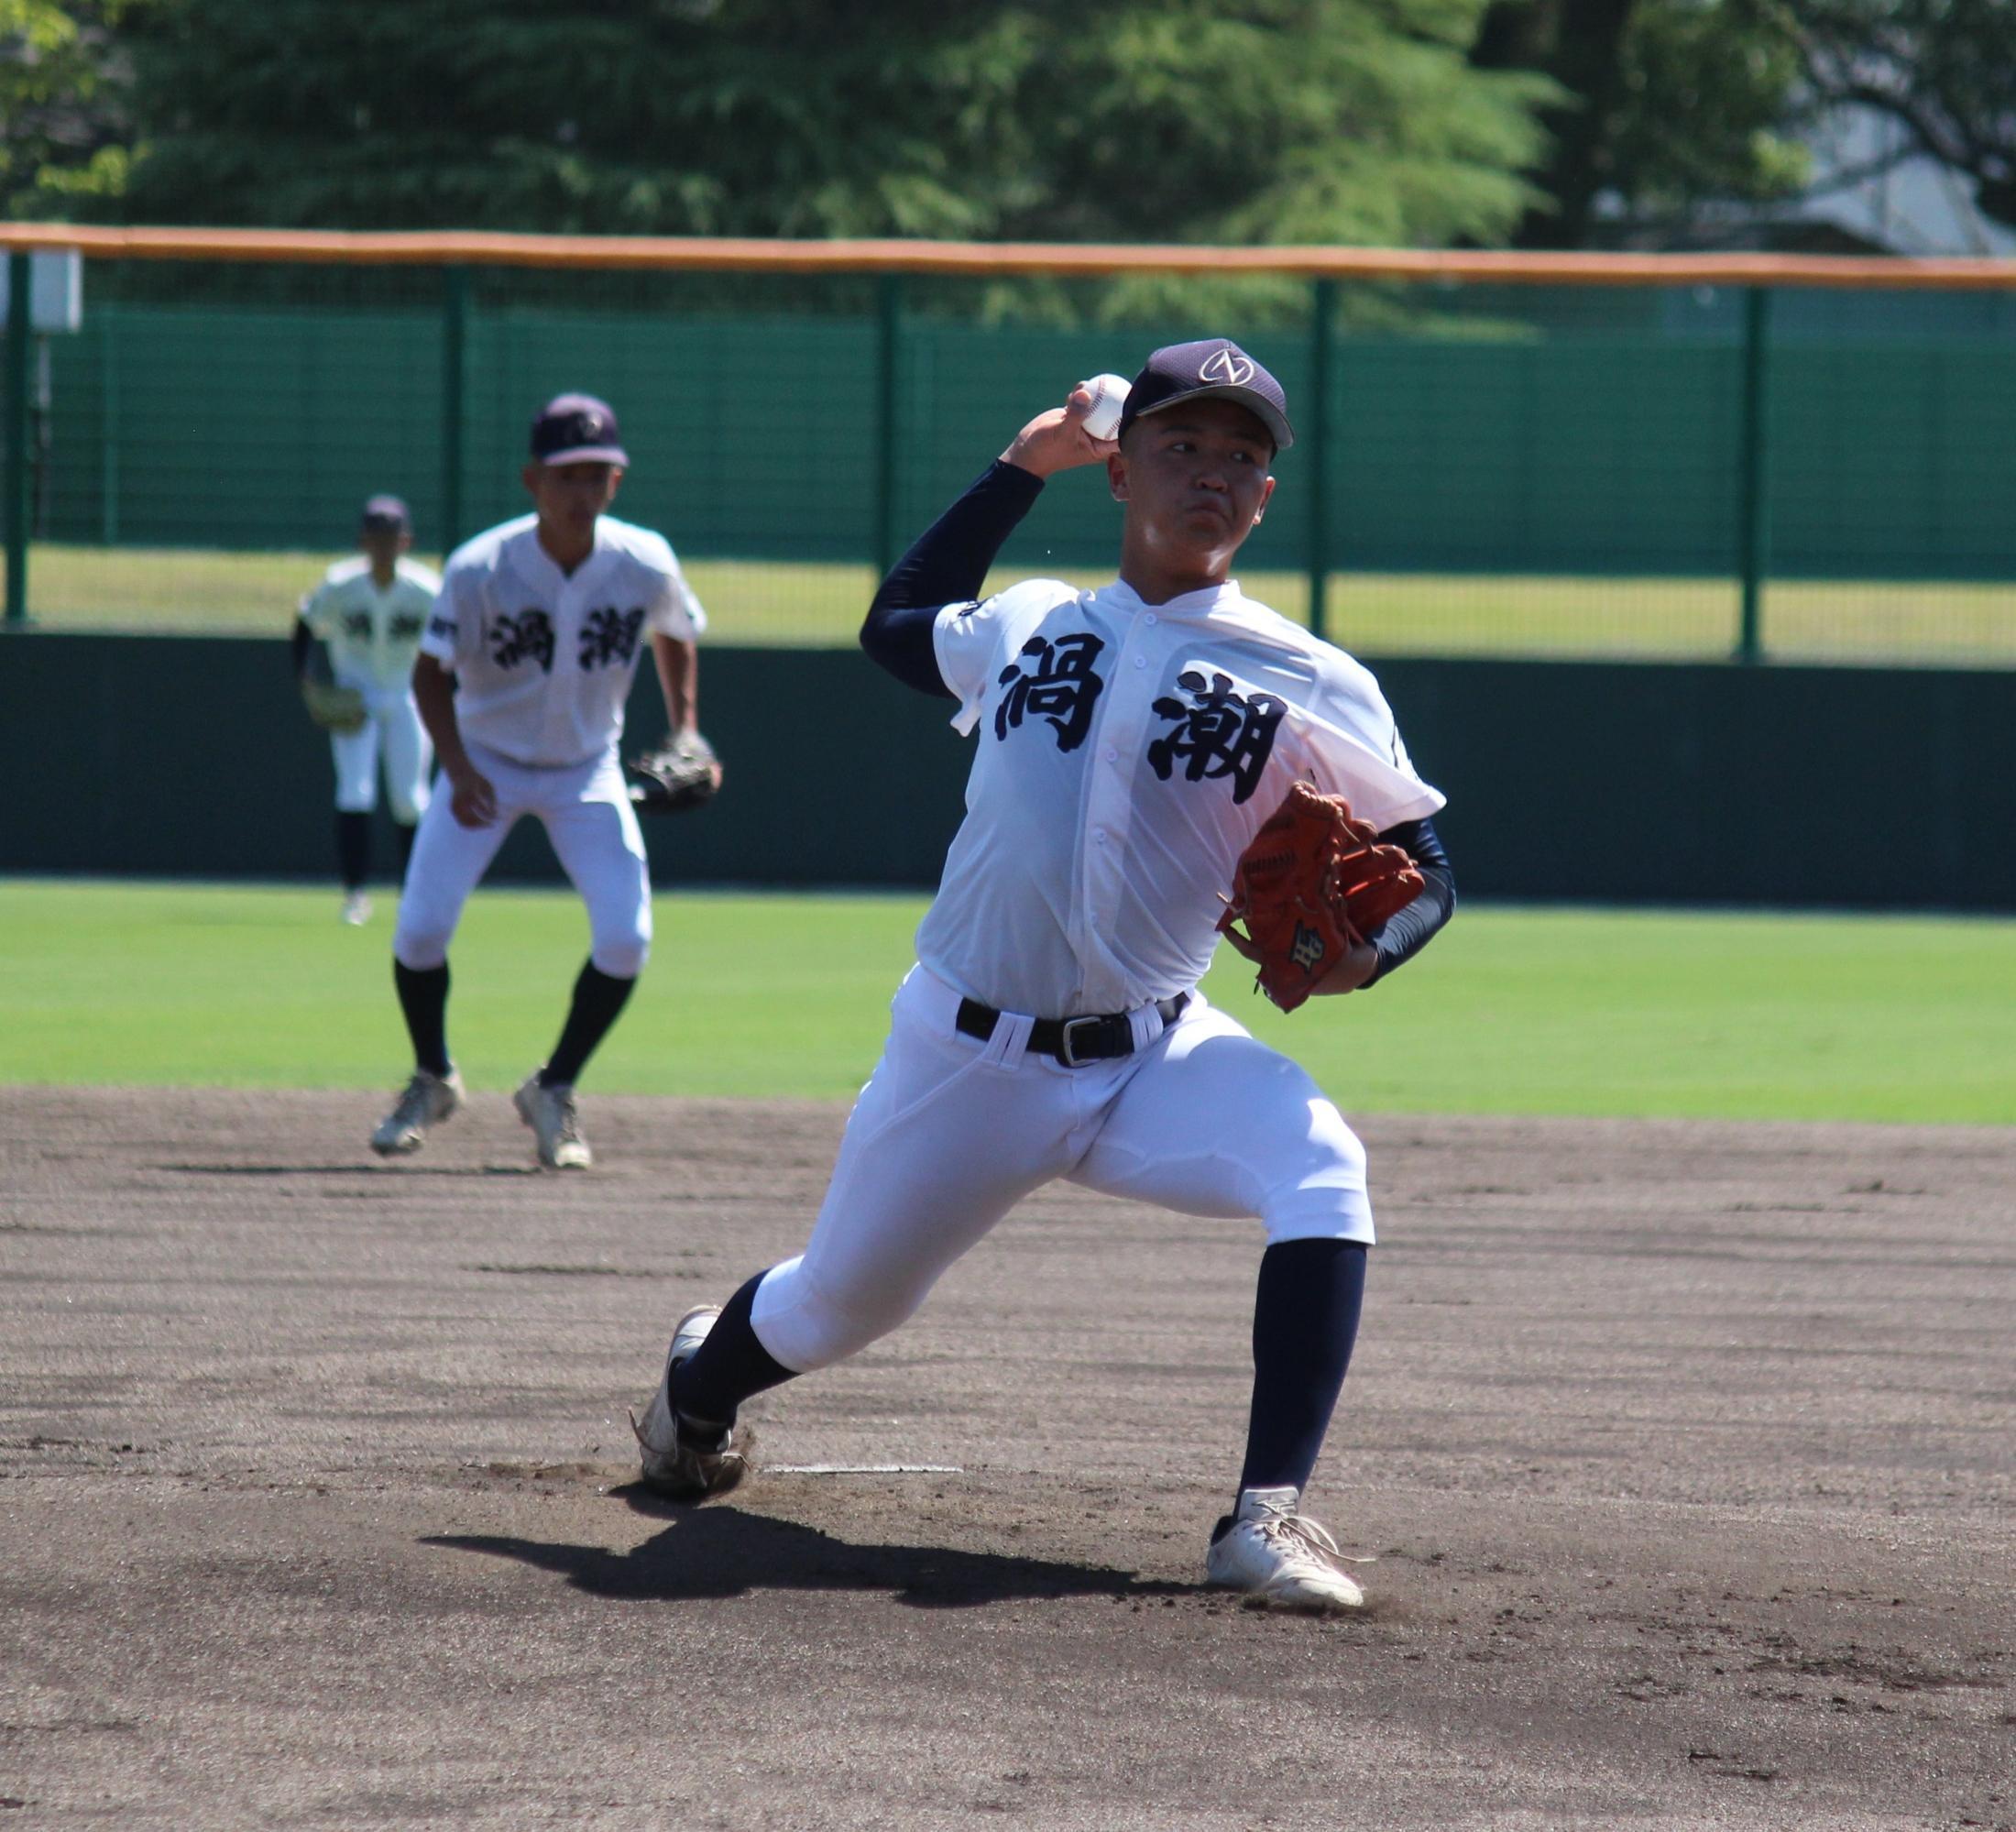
371	613
1132	741
521	680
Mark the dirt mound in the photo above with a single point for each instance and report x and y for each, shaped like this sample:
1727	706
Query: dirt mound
1684	1451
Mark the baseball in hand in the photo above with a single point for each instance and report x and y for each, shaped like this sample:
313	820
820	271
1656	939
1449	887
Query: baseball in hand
1108	395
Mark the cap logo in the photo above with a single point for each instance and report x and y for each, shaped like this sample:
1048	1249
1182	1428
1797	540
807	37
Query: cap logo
1227	366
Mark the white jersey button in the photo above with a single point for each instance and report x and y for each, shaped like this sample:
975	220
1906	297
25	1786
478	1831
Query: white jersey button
1141	661
1099	835
1112	756
1150	617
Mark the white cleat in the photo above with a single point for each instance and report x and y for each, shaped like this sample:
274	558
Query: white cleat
427	1101
356	908
1281	1559
679	1460
548	1111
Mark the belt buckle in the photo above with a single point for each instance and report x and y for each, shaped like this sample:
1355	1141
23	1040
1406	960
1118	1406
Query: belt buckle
1067	1050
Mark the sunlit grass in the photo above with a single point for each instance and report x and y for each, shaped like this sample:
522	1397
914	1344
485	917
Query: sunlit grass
1511	1011
200	590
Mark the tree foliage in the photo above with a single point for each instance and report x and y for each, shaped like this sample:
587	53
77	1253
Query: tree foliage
1288	120
1664	104
65	130
1945	70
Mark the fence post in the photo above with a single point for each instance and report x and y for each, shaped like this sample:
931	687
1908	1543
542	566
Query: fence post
888	339
1753	474
1316	438
455	374
109	429
15	438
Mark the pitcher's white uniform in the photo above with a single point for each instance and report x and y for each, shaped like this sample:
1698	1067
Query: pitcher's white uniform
372	637
543	663
1126	756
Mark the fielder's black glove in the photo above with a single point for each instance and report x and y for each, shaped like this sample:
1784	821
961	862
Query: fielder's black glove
682	773
333	708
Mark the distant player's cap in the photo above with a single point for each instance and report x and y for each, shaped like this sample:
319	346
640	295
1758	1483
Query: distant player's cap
577	428
1215	369
386	511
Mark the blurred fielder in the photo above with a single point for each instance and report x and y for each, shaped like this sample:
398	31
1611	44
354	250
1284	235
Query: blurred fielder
354	641
522	681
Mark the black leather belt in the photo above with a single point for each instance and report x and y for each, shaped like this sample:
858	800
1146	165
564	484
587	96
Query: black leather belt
1072	1040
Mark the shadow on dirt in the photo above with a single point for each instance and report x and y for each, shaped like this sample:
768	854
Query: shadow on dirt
354	1168
716	1552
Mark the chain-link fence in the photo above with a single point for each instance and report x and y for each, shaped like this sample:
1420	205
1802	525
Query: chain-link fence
1688	469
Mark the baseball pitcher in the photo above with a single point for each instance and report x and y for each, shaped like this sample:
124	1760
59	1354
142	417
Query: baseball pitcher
1142	750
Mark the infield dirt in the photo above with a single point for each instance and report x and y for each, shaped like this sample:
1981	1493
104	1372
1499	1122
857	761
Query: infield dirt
1685	1450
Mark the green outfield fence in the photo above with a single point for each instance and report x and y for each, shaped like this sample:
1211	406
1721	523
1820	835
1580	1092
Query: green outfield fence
1699	457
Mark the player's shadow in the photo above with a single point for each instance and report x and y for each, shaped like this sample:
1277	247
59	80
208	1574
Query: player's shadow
717	1552
352	1169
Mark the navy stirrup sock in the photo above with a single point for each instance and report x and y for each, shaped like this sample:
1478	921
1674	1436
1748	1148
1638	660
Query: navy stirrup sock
353	848
598	998
728	1367
423	998
1305	1320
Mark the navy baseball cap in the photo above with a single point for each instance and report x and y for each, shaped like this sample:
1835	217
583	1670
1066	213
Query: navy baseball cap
1214	370
386	511
577	428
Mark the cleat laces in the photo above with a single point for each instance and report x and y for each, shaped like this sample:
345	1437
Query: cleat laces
1297	1537
415	1105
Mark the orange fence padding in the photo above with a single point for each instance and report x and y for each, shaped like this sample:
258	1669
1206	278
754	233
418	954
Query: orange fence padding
704	254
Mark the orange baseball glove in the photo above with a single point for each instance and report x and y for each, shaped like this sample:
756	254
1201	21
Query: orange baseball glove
1313	883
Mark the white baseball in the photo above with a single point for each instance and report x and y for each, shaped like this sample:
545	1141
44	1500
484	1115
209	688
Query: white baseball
1108	395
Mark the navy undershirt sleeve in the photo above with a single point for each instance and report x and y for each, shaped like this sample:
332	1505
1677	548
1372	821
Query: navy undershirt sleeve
1403	935
946	565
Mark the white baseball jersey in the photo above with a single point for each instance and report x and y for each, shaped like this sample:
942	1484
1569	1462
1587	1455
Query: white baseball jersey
543	658
372	635
1127	755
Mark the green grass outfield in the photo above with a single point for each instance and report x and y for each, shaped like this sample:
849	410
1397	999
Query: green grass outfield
1513	1010
199	591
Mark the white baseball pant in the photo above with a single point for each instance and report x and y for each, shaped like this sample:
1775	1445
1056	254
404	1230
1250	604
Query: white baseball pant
391	725
586	812
952	1132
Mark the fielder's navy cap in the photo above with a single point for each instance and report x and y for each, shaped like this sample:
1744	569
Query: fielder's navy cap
577	428
1214	370
386	511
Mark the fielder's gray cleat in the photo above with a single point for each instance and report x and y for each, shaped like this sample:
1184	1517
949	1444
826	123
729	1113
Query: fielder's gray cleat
550	1112
427	1101
682	1459
1278	1557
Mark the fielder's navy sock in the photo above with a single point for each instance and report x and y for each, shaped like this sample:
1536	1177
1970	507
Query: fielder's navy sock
598	998
1305	1320
353	848
728	1367
423	997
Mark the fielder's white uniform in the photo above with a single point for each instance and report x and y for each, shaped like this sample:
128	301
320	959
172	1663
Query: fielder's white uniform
1126	756
543	661
372	637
